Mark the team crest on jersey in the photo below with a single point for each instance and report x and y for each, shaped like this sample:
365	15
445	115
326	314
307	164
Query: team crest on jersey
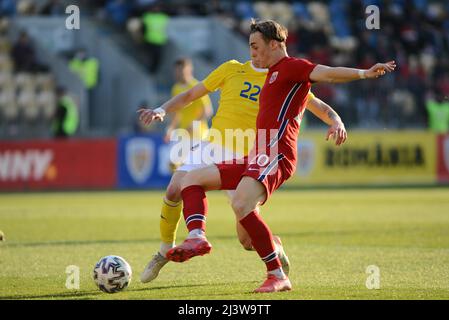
274	76
139	158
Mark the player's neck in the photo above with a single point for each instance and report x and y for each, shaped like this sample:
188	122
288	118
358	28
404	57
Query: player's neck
278	56
186	80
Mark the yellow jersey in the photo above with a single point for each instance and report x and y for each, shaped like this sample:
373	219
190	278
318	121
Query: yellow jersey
240	85
193	111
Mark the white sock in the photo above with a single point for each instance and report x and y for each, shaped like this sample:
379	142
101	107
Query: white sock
196	233
279	273
165	247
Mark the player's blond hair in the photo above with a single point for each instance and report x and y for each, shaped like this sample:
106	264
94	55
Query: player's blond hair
270	30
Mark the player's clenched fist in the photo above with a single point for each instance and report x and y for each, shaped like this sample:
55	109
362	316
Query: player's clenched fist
149	115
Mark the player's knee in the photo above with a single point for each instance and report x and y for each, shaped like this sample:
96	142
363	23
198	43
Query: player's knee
190	179
173	192
240	206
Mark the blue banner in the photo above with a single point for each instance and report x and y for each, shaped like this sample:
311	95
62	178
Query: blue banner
143	162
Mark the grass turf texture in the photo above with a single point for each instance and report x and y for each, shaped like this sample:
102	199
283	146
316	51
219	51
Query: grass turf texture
330	236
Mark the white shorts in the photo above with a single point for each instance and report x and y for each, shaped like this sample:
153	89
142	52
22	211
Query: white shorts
204	153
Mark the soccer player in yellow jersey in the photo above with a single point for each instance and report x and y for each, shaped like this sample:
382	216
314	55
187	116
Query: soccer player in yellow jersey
240	85
198	110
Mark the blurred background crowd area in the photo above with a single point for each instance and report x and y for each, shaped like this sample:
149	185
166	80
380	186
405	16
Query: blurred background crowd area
415	33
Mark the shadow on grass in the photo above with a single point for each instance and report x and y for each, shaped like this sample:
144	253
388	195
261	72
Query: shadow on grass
75	242
54	296
151	240
86	294
213	295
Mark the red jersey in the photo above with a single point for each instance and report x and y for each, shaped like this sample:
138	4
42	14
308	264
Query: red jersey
281	106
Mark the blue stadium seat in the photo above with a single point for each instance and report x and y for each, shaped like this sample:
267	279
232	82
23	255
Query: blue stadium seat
300	11
339	18
244	10
8	8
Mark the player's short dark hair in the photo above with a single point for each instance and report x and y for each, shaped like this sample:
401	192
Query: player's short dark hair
183	62
270	30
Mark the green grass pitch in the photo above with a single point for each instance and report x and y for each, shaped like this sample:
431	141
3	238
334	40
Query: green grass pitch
331	237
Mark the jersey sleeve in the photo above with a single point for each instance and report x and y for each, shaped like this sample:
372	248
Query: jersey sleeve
173	90
300	70
216	78
310	96
205	100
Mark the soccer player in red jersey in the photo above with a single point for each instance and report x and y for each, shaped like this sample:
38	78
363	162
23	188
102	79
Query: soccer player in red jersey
273	158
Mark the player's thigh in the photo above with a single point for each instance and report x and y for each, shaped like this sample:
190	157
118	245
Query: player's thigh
173	192
248	195
207	177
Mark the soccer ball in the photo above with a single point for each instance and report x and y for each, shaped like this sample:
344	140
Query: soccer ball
112	274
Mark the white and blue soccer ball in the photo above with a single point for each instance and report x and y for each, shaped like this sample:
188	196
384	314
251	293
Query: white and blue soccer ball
112	274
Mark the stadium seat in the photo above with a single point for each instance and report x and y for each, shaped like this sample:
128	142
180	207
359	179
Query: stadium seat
282	12
367	3
46	101
5	62
420	4
244	10
8	105
339	18
25	7
44	81
403	102
319	13
10	112
6	80
428	60
435	10
26	101
24	81
134	27
5	45
262	10
300	11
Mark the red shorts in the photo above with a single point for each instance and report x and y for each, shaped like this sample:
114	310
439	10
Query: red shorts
272	173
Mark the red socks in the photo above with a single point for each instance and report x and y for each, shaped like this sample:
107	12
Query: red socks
261	239
195	207
195	210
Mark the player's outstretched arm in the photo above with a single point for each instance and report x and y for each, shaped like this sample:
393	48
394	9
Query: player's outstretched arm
323	73
328	115
173	105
